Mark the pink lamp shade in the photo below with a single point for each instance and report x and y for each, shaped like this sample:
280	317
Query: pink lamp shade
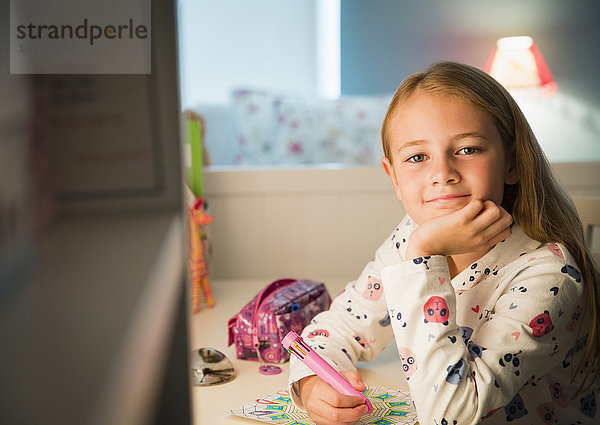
517	63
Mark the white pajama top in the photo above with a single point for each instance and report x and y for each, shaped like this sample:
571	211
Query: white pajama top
496	344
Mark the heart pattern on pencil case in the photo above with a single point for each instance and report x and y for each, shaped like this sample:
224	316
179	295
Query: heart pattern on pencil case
442	280
476	308
516	335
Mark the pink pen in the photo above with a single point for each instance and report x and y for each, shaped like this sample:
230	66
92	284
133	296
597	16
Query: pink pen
296	345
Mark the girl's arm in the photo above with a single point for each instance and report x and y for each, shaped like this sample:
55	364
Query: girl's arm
357	326
462	373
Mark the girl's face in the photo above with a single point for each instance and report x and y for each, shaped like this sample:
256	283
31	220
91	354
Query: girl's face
445	152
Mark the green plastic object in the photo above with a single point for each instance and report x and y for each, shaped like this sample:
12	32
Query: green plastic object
194	137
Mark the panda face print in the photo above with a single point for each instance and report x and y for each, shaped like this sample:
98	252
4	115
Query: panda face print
318	332
555	348
515	409
456	372
511	361
436	310
422	260
465	333
374	289
493	271
558	396
574	320
386	321
318	346
361	341
521	289
541	324
578	347
572	271
555	249
546	413
353	313
531	381
396	240
475	350
408	360
585	367
397	316
588	405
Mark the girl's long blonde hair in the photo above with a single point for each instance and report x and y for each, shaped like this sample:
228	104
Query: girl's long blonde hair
538	203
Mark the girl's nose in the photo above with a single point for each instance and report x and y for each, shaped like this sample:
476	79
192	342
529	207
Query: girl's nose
445	172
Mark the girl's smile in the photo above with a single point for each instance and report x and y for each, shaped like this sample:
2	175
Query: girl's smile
446	199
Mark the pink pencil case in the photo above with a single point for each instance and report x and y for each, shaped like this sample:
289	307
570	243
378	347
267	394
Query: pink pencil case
282	306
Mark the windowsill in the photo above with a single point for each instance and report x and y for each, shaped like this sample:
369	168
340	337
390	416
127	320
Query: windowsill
581	180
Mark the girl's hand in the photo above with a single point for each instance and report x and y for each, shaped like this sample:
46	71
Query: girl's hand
475	227
326	406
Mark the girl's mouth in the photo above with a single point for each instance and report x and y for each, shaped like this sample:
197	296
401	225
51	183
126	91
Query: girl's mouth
448	198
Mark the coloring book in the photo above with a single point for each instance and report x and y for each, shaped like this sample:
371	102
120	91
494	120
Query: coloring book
389	407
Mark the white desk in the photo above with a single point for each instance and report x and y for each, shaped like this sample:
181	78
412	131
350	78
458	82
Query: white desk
209	329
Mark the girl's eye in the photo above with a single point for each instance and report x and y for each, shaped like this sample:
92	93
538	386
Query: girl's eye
417	158
469	150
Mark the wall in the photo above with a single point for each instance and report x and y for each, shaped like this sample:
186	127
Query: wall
383	41
304	222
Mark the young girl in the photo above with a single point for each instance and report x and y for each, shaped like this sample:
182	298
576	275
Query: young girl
486	283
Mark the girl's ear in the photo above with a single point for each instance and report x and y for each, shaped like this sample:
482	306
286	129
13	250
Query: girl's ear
389	170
